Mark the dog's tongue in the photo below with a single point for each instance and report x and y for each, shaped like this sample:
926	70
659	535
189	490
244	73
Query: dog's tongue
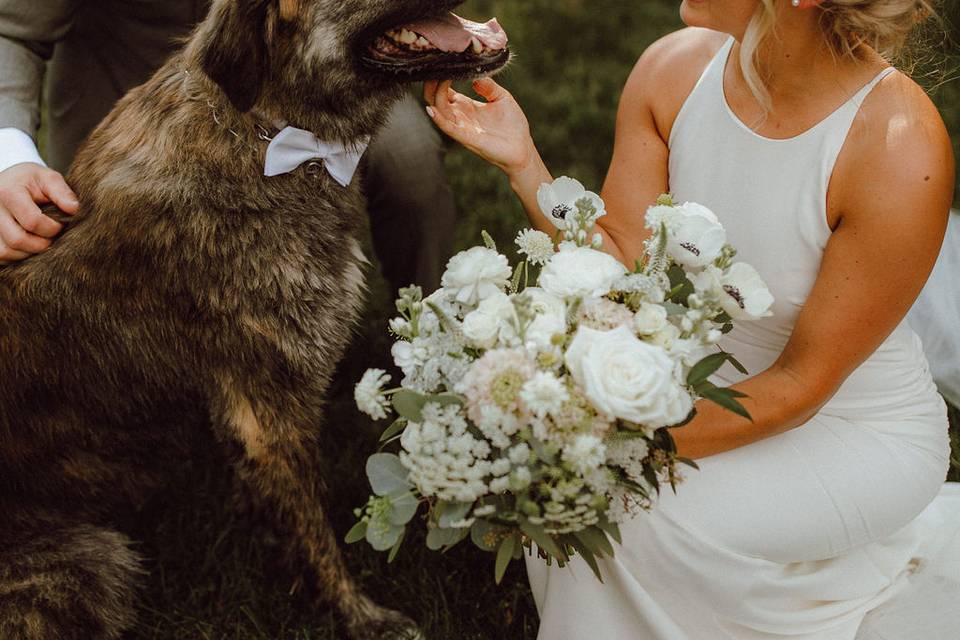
452	34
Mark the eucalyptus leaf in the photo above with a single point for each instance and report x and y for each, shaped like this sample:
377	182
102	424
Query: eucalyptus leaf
484	535
402	509
438	538
451	512
387	474
409	404
383	535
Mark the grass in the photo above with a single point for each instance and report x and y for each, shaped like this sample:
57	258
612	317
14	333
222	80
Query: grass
213	570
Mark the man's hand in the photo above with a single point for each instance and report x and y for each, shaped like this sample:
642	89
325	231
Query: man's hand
24	230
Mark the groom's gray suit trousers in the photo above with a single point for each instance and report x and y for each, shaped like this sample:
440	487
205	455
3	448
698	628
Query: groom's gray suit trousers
88	53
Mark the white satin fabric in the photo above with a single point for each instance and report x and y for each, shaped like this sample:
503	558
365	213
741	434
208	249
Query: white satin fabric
803	534
292	147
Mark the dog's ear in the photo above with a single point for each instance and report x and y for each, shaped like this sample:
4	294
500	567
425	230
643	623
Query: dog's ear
235	55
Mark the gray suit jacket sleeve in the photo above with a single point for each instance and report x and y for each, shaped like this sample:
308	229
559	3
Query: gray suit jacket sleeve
28	31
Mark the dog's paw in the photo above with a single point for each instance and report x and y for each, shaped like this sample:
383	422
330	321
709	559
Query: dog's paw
386	625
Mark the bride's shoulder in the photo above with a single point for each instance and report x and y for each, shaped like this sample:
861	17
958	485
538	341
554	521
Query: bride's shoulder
667	71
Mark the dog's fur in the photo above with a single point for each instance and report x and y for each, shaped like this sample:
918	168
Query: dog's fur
189	290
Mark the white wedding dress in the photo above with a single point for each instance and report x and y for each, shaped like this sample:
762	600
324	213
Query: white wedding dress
841	528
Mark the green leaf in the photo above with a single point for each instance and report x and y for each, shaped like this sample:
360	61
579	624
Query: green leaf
587	556
402	509
409	404
357	533
688	462
488	241
396	547
706	367
383	535
539	535
387	474
680	285
517	275
717	396
596	540
504	557
438	538
451	512
612	529
484	535
393	430
737	364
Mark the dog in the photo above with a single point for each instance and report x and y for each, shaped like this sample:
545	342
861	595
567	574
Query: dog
192	292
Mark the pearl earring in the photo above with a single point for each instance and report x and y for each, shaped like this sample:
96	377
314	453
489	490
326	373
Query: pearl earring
795	3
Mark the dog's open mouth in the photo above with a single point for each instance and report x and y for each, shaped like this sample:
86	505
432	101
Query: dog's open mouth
445	46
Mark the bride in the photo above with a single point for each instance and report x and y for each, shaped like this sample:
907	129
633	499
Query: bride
833	174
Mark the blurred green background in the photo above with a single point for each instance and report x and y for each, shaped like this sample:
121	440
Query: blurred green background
213	569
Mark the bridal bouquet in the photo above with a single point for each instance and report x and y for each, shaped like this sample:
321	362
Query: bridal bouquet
535	398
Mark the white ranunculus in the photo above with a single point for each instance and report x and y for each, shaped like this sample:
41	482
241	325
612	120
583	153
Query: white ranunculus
475	274
550	318
695	237
627	378
493	320
649	319
745	295
581	272
558	200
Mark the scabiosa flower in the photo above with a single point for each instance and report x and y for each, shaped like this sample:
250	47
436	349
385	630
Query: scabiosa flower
604	314
368	393
536	245
543	394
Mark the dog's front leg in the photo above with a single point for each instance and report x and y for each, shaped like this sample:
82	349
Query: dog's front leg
279	463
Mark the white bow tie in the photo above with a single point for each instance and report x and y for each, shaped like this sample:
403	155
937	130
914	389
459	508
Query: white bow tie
292	147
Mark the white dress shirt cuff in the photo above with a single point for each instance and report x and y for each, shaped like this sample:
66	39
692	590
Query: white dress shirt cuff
17	146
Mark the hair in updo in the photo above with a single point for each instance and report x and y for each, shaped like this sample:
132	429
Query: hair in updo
884	25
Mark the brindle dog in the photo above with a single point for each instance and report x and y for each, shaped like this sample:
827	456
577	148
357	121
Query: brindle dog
188	291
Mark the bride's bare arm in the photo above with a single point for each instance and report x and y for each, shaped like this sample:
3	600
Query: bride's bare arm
891	191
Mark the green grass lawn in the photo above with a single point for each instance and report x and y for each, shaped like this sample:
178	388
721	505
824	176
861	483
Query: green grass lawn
213	570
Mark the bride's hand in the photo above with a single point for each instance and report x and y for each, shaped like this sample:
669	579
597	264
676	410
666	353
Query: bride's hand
496	130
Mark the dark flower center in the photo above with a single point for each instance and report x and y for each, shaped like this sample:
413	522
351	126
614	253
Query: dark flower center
734	293
560	211
692	248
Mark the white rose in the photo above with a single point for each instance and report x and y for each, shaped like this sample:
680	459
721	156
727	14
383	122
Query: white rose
558	200
649	319
475	274
581	272
745	295
627	378
550	318
492	320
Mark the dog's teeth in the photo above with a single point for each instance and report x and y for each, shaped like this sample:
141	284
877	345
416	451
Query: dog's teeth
407	37
477	45
423	42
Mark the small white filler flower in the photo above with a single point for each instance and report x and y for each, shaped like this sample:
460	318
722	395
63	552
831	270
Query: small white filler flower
368	393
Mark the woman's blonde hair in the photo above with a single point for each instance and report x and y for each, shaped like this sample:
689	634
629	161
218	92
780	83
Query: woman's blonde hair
884	25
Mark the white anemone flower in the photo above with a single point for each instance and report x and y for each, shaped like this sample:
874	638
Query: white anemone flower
558	200
695	237
745	294
368	393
